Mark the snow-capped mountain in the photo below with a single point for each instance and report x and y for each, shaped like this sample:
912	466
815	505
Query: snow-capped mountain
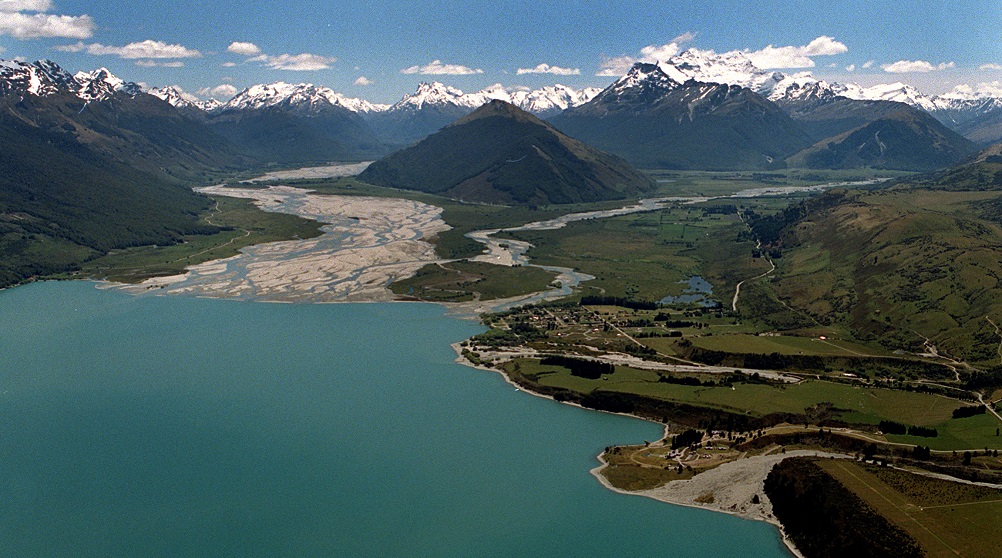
735	68
41	78
179	98
45	78
967	98
897	92
435	94
101	84
539	101
658	117
552	99
975	114
301	96
643	81
731	68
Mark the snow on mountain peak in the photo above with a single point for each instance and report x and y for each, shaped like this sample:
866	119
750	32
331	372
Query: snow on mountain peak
736	68
101	84
731	68
556	97
642	75
302	95
40	79
179	98
434	93
552	98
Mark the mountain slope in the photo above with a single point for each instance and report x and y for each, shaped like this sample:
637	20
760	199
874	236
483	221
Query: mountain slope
904	139
92	164
62	203
652	120
502	154
299	124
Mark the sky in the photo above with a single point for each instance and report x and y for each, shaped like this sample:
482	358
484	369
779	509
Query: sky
380	50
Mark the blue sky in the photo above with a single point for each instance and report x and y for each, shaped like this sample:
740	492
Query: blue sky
380	50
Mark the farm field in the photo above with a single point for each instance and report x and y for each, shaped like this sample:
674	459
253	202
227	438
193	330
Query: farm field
786	345
844	402
946	518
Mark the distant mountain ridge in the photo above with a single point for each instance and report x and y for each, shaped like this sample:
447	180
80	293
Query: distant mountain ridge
975	114
653	120
701	110
432	106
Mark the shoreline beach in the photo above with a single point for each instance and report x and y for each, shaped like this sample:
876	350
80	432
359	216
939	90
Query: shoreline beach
733	484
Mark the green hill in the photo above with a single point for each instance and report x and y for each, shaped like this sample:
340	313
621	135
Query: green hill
911	266
501	154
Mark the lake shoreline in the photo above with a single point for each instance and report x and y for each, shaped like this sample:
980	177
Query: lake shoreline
742	484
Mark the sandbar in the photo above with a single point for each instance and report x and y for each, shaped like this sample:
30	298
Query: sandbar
368	243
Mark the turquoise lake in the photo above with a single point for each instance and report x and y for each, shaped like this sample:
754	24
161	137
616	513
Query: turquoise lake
175	426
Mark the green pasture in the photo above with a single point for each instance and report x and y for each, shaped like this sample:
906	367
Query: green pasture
466	280
946	518
853	404
785	345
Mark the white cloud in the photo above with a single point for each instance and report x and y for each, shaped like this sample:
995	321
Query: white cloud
987	89
155	64
914	66
363	81
655	53
547	69
35	26
228	64
850	68
2	50
145	49
615	66
25	5
824	46
994	67
220	91
437	68
868	64
772	57
304	62
686	37
246	49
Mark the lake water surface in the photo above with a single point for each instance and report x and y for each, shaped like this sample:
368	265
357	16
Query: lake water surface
178	426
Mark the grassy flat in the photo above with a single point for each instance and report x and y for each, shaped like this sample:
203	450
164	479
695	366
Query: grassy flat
466	280
947	519
786	345
858	405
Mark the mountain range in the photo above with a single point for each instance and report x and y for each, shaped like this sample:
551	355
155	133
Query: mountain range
693	123
975	114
